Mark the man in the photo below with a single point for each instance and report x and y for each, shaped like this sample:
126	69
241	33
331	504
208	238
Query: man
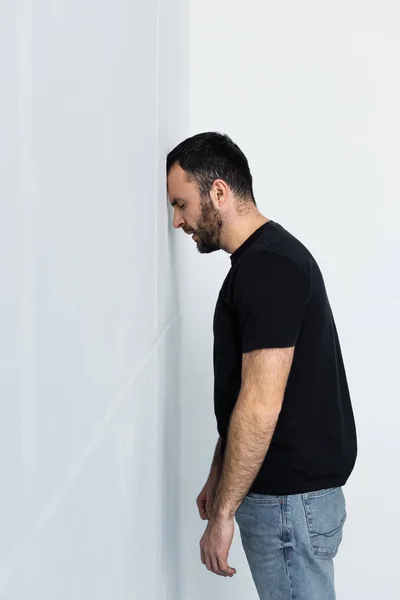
287	440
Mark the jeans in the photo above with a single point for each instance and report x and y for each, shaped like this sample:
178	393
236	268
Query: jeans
290	542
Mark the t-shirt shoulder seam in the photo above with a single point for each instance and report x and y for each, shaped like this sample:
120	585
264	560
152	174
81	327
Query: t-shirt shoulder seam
272	252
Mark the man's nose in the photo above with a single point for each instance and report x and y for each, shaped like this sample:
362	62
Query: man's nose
178	221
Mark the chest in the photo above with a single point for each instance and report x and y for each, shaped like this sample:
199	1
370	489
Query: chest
227	340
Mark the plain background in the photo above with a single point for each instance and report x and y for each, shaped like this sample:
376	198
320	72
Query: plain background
92	94
311	93
107	426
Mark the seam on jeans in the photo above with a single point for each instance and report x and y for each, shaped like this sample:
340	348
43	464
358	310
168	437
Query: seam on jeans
319	493
286	542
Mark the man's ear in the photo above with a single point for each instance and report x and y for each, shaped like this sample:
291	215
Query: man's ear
219	193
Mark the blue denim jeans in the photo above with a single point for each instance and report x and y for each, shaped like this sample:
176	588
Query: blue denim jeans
290	542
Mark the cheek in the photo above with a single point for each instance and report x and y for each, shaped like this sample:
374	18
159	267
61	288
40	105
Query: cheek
189	218
196	217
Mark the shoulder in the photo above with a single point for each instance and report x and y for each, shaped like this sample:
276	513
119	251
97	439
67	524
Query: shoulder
263	265
266	277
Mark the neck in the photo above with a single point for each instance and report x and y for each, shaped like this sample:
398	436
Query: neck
237	232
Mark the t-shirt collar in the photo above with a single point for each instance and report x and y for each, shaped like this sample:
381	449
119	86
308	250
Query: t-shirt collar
248	242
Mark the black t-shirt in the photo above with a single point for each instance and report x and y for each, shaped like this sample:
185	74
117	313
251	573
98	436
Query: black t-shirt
274	296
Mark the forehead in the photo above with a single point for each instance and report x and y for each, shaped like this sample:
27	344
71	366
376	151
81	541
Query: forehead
179	186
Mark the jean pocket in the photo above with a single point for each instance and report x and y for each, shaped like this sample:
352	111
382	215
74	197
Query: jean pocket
325	514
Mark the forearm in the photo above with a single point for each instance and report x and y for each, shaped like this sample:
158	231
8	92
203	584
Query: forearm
216	465
250	433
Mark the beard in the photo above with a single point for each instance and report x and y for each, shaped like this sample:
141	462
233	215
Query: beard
209	227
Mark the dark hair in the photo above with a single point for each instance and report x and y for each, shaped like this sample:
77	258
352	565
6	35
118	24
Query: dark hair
210	156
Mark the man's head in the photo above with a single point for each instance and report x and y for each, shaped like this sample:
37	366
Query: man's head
208	180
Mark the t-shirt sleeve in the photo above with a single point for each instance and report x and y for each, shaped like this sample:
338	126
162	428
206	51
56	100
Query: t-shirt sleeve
270	295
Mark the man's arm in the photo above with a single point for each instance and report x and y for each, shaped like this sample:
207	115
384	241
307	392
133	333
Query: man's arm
216	464
264	377
269	295
205	499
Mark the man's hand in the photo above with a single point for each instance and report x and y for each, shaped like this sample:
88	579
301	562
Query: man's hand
215	545
206	498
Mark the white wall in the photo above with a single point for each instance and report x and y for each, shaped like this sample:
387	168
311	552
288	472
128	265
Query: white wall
92	96
310	91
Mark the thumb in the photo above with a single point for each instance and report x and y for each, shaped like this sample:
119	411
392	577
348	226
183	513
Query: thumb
225	568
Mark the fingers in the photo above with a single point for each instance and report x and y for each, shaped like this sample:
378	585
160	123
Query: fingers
225	569
208	561
203	557
211	564
216	565
202	511
219	566
201	505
